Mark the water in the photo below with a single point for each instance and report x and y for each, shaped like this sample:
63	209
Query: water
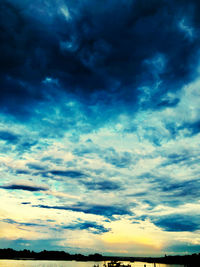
141	264
32	263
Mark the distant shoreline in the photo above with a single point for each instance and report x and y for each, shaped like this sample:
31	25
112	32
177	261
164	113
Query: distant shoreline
11	254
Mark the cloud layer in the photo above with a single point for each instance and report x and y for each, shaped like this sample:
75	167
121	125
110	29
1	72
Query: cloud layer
99	126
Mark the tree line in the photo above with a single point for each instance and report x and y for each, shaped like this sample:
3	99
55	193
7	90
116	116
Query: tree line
9	253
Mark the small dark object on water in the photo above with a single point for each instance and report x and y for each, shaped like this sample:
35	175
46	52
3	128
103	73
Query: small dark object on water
116	264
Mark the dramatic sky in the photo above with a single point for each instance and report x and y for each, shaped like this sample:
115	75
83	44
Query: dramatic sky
100	126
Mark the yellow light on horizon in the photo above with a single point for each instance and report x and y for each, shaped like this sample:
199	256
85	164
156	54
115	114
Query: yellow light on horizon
125	233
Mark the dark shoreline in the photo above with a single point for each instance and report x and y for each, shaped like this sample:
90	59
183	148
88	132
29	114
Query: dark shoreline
11	254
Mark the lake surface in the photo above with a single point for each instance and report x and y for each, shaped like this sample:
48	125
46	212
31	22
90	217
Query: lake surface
31	263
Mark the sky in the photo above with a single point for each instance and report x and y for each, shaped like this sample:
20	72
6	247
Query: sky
100	126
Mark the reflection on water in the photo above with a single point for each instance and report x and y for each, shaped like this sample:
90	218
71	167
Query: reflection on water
141	264
27	263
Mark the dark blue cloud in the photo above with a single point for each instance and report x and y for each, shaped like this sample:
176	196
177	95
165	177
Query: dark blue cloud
104	55
153	135
9	137
193	128
88	148
102	185
56	173
56	161
184	189
26	187
139	194
90	226
168	103
169	191
18	171
178	223
105	210
120	160
176	158
165	185
10	221
35	166
71	174
25	145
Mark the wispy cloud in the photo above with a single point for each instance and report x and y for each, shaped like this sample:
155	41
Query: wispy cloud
102	210
27	186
